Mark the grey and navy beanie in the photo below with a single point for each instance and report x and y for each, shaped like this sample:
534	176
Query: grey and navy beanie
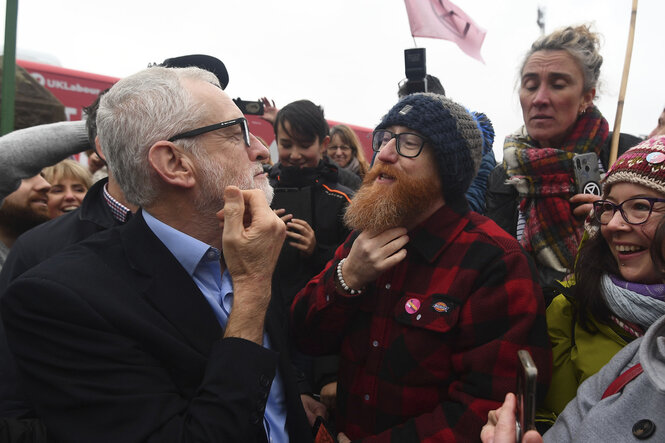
451	131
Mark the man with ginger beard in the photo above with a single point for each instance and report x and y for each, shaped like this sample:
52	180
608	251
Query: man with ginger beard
427	301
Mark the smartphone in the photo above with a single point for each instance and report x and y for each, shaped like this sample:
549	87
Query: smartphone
322	432
249	107
587	173
526	393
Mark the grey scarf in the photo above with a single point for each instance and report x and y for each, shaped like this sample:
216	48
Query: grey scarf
354	166
629	305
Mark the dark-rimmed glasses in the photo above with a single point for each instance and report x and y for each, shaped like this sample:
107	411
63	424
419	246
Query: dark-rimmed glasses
635	211
242	121
408	144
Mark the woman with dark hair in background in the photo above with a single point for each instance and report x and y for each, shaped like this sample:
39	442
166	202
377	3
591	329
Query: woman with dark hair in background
624	401
618	291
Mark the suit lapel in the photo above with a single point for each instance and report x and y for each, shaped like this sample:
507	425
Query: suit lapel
168	287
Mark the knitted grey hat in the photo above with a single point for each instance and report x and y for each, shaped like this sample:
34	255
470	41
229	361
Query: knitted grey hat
451	131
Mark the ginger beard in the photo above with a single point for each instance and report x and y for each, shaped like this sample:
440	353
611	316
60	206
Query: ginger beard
377	207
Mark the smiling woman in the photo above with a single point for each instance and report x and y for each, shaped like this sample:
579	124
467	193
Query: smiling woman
345	150
70	182
618	290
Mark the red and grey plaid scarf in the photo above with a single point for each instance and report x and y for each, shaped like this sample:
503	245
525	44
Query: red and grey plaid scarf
545	182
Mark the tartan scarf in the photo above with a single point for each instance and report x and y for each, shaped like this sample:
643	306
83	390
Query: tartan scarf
545	181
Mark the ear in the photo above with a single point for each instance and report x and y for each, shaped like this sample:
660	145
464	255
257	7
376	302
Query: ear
171	164
98	149
587	99
324	144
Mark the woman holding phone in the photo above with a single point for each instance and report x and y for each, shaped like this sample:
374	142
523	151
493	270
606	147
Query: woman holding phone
533	194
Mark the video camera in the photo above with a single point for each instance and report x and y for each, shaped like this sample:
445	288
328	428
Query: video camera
415	68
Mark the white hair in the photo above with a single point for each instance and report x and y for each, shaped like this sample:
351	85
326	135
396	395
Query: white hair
140	110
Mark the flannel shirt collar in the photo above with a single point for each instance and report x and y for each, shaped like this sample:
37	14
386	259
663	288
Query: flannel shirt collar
431	238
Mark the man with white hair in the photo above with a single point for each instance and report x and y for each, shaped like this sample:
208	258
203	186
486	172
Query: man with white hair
160	330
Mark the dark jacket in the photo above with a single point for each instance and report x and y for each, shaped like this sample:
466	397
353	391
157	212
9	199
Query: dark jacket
328	202
47	239
502	199
115	342
32	248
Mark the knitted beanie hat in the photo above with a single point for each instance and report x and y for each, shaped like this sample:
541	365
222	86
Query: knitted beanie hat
450	130
643	165
486	128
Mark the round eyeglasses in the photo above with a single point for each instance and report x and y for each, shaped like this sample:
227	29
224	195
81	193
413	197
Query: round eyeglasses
635	211
408	144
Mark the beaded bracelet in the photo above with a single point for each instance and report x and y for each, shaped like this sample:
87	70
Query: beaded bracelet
342	283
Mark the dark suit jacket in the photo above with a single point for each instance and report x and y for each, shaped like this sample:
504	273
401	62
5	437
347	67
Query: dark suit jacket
32	248
47	239
115	342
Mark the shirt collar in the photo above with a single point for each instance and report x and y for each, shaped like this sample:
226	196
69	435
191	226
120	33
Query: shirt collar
119	211
186	249
434	235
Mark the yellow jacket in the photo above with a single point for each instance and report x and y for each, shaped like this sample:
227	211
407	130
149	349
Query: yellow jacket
576	353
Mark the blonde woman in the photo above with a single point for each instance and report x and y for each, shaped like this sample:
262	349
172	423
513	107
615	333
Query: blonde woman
70	182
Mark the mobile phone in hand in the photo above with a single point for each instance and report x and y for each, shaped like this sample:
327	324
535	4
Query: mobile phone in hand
322	431
587	173
526	393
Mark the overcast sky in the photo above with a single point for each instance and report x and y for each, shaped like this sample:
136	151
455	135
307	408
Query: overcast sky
347	55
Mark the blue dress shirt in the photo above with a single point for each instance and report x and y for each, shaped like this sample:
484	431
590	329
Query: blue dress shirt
201	261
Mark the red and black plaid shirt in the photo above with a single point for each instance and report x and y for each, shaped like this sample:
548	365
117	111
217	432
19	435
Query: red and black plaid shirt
432	345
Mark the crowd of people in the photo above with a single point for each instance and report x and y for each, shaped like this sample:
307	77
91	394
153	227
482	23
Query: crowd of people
187	287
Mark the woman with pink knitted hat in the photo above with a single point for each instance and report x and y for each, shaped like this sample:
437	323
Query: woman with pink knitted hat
618	290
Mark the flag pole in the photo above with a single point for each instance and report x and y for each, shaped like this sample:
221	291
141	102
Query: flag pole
614	147
8	91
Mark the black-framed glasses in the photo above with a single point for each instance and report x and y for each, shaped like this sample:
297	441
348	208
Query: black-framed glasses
408	144
242	121
635	211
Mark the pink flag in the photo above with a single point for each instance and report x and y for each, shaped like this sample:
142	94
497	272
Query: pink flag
443	19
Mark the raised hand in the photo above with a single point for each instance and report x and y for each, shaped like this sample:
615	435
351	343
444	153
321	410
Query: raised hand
251	240
269	110
301	235
582	204
372	254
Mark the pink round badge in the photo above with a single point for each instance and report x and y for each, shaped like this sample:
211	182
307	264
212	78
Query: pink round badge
655	158
412	305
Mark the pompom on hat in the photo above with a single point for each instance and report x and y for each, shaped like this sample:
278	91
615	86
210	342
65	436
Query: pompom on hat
451	131
642	165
